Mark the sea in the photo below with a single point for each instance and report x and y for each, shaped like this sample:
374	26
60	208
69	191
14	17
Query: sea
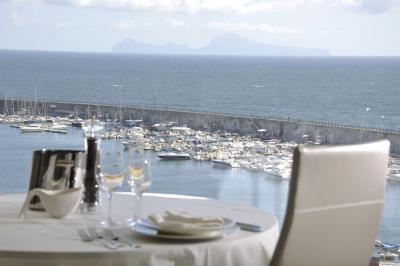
351	90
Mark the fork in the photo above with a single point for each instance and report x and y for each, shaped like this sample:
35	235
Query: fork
100	235
108	233
87	236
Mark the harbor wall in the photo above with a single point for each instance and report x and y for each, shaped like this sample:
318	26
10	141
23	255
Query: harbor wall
285	129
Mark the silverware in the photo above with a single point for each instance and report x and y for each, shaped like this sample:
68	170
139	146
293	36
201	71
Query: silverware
91	235
249	227
84	235
109	233
99	235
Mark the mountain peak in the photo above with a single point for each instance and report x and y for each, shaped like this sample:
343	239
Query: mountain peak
225	44
229	38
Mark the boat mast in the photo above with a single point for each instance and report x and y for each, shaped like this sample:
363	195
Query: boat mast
98	107
5	104
120	108
35	104
12	105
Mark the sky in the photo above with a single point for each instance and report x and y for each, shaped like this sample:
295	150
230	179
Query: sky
344	27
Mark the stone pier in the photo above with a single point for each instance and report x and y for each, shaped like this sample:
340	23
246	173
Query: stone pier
285	129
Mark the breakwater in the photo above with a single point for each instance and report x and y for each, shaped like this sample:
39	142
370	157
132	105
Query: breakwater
283	128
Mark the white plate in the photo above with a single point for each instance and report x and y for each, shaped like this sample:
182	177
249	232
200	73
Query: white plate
186	231
153	232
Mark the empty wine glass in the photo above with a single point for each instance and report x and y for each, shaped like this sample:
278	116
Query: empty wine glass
139	179
111	176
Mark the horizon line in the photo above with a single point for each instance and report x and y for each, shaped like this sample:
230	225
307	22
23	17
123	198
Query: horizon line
183	54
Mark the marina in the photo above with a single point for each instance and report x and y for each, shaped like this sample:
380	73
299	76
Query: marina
170	142
181	143
285	129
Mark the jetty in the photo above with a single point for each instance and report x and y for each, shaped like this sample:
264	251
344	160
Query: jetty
265	127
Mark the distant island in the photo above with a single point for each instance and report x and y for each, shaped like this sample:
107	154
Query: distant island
227	44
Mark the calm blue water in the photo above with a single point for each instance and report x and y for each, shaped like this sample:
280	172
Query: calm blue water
180	177
336	89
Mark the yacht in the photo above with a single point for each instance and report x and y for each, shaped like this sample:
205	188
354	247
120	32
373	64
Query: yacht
55	130
394	177
225	163
32	128
77	124
59	126
129	144
277	175
172	155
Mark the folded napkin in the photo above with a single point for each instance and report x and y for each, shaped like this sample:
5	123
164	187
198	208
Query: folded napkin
184	223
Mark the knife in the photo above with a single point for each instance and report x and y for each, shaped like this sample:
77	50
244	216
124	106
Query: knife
249	227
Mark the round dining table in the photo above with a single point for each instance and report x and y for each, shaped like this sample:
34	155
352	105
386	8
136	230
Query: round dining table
39	239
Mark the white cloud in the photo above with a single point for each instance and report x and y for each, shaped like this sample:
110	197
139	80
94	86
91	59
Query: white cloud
247	27
175	23
195	6
376	6
161	5
370	6
191	6
17	18
63	24
129	24
350	3
244	7
124	25
241	7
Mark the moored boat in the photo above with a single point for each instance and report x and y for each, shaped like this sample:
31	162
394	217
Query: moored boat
394	177
225	163
174	155
222	163
128	144
31	129
55	130
15	125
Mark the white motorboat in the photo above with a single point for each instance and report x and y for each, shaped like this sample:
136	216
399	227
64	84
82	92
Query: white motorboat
15	126
128	144
55	130
31	128
394	177
277	175
174	155
59	126
222	163
77	123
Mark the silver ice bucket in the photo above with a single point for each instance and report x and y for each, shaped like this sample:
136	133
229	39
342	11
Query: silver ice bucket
55	170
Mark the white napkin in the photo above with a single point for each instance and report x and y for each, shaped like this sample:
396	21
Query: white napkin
184	223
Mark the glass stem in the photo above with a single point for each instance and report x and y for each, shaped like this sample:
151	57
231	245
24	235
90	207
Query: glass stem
138	207
109	206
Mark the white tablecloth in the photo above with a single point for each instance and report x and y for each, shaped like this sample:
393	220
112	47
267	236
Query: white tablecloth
41	240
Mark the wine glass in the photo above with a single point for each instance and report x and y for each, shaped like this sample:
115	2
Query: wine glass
111	176
139	179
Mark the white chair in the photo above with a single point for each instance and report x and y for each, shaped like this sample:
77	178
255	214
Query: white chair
335	204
